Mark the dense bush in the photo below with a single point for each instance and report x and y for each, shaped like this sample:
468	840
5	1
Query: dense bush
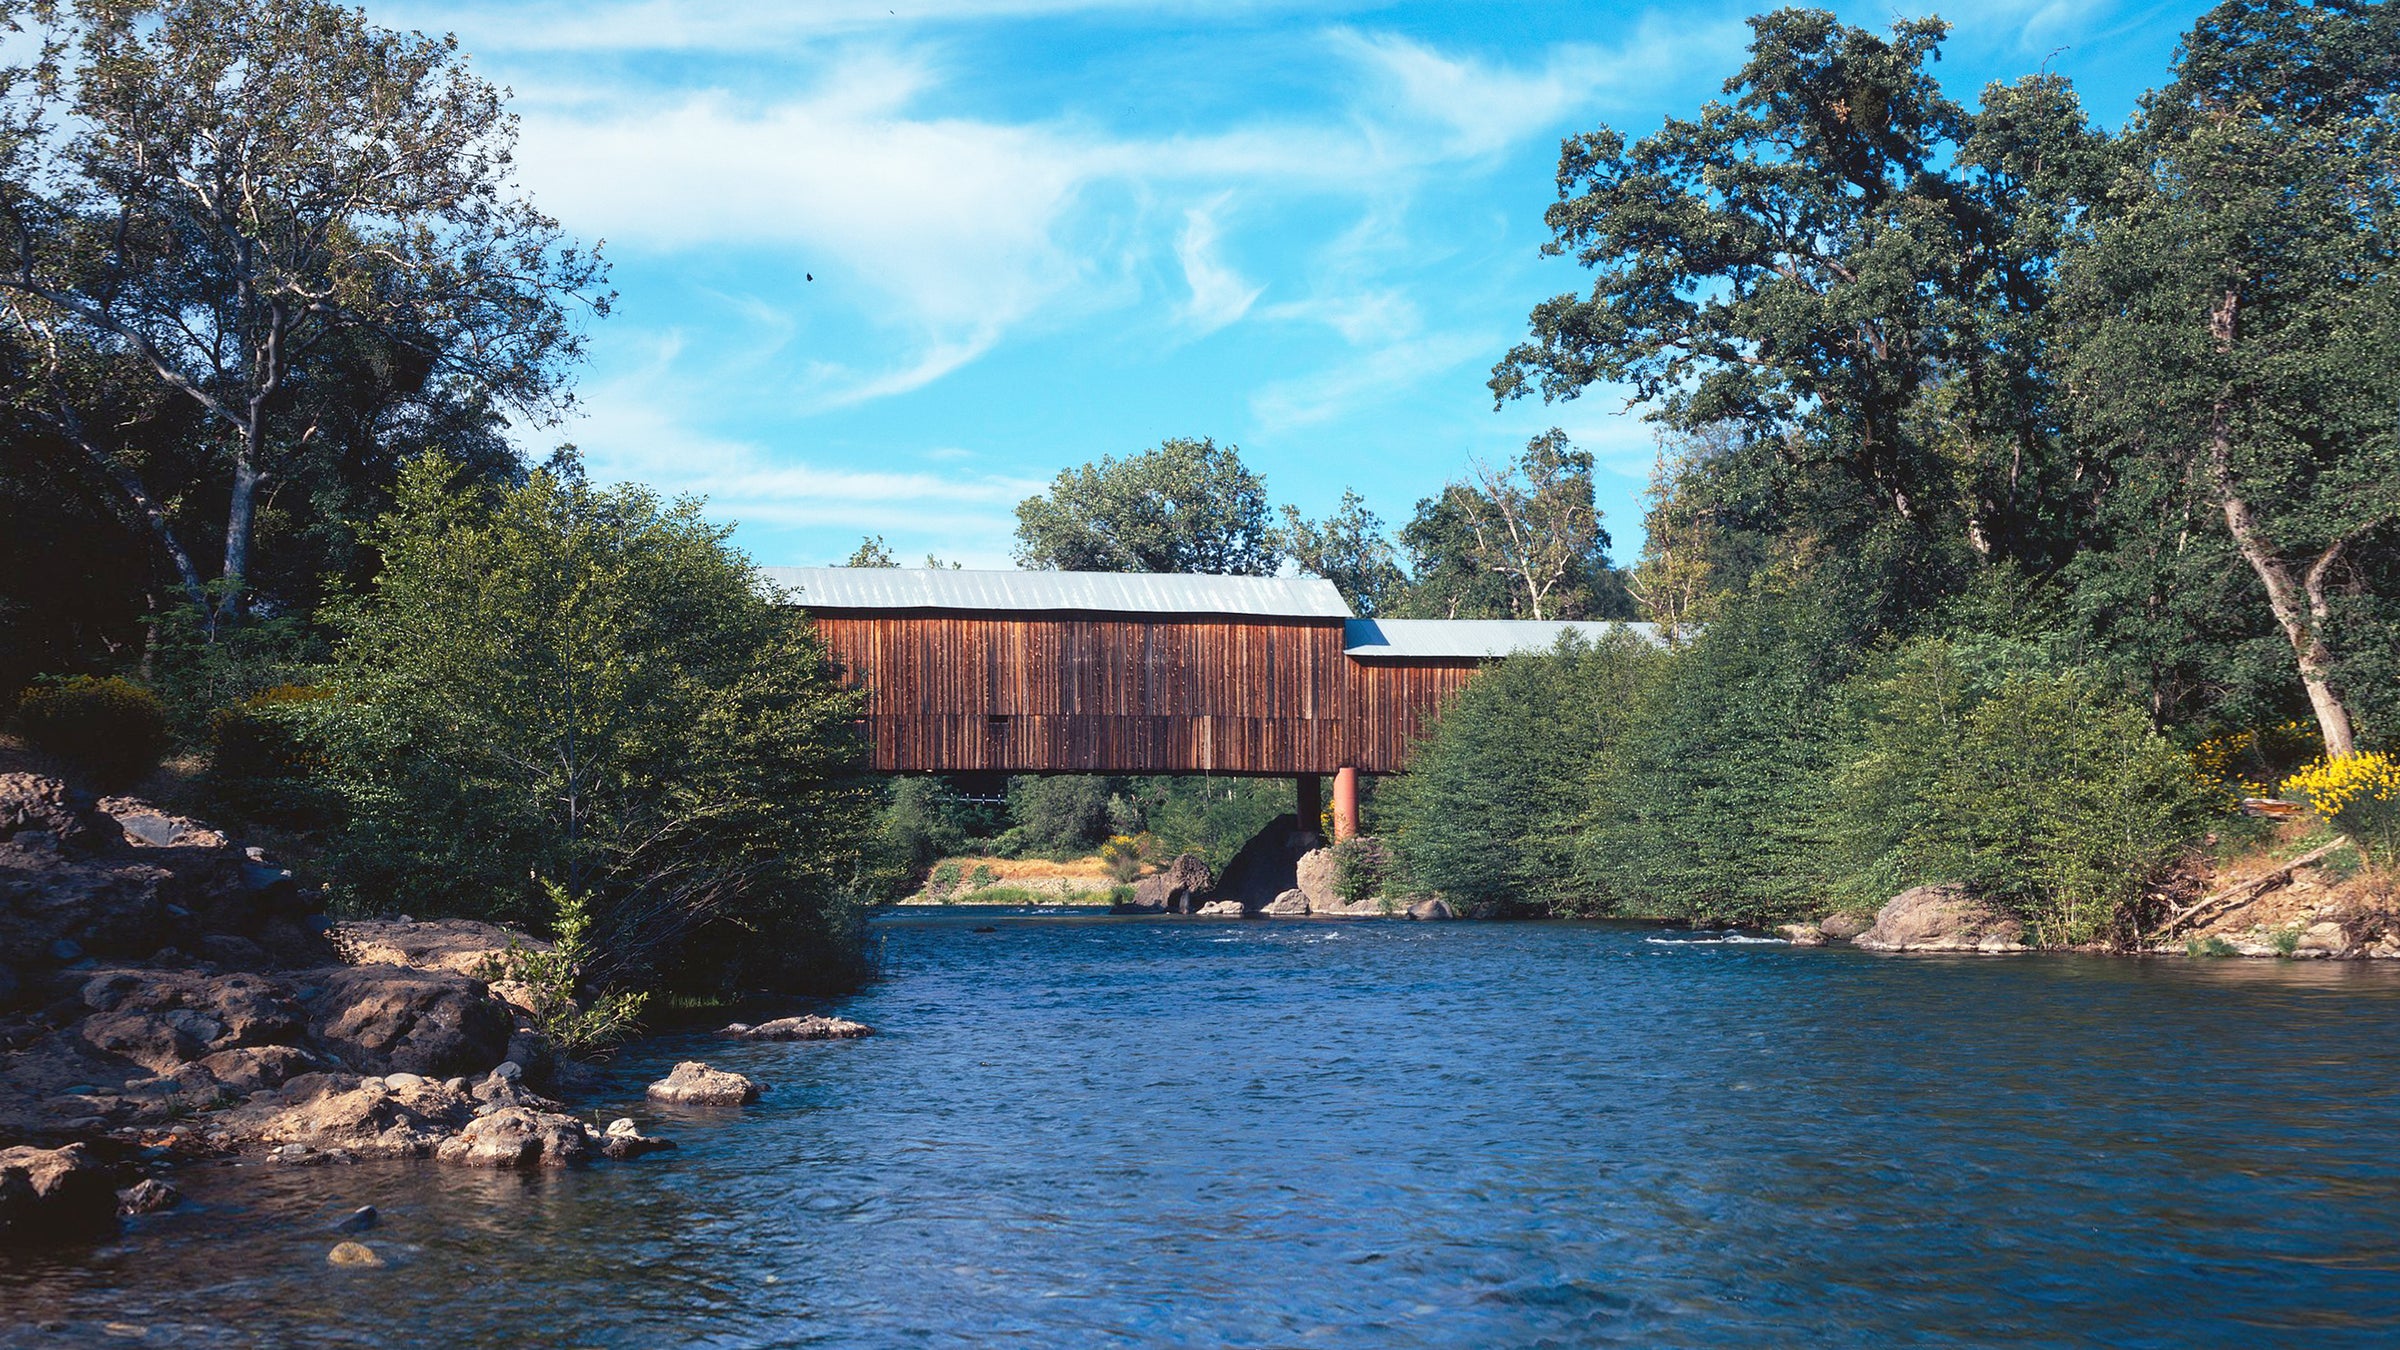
1059	813
1711	807
557	684
111	728
260	764
1488	809
2045	791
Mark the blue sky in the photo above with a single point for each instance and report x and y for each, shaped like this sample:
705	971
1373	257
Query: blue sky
1046	230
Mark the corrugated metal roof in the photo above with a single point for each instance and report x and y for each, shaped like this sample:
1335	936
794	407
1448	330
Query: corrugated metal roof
1089	592
1473	639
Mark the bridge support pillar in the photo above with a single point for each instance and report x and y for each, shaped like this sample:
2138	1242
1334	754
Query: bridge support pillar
1310	793
1345	804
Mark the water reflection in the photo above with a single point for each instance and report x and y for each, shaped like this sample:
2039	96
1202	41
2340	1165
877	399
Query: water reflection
1079	1130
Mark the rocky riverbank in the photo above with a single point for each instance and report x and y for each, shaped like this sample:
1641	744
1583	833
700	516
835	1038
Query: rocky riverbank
169	997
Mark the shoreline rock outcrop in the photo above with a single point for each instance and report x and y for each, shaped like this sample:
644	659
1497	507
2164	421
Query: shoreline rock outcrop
1942	918
159	982
801	1029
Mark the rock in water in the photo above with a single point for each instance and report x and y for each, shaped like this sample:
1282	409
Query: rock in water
623	1139
55	1192
1845	925
147	1197
358	1220
1290	904
1176	890
1802	934
802	1029
1943	918
352	1254
1221	909
518	1136
695	1084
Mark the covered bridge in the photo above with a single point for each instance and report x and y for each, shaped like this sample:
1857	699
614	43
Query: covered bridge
1143	673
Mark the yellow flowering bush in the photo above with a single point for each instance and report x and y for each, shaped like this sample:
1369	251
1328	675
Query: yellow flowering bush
1125	853
2359	795
2244	763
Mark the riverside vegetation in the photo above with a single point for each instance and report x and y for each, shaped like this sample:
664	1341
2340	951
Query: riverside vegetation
2017	477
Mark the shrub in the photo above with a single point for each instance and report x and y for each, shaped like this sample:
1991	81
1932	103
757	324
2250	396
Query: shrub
1059	813
981	878
1489	807
1125	854
944	878
261	764
111	728
581	1027
1708	802
2357	794
556	680
2047	794
1361	867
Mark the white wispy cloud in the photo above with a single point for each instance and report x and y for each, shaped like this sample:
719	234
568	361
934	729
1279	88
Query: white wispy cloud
1219	294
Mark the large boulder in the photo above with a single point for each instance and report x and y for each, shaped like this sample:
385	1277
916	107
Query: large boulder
1433	908
1267	865
801	1029
517	1136
1845	925
367	1117
33	804
164	1019
1177	889
147	826
1943	918
385	1018
1318	877
461	946
56	1192
695	1084
1289	905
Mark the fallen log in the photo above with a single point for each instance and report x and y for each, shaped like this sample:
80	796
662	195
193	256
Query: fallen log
2244	892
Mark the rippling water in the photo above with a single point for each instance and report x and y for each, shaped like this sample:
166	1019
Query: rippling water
1084	1131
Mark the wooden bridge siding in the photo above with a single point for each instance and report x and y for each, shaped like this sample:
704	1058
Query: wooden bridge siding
1081	694
1393	702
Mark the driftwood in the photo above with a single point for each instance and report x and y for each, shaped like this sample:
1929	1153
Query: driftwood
2246	891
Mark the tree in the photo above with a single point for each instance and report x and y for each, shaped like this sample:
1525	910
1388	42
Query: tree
873	552
2238	309
1186	506
1521	541
1487	811
220	200
1775	262
556	684
1347	548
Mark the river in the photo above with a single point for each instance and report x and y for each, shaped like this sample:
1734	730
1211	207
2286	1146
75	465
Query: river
1080	1131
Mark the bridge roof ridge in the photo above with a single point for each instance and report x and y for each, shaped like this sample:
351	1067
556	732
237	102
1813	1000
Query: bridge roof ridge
1476	639
955	589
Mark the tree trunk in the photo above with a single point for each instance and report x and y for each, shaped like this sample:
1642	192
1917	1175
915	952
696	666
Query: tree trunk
2299	607
138	494
239	515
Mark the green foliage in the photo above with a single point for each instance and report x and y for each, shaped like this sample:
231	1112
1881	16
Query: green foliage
2211	945
1488	810
1187	506
924	818
944	878
1363	866
581	1024
260	764
1060	813
562	682
2044	792
1210	816
1347	548
1712	805
1522	541
110	728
